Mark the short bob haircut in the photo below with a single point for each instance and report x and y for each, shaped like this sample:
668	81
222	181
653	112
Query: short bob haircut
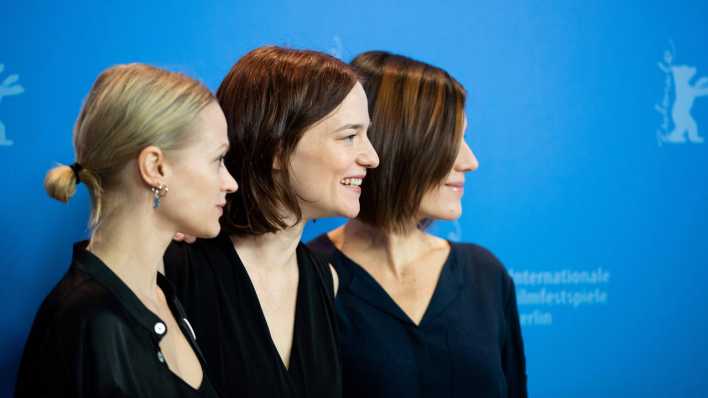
271	96
417	120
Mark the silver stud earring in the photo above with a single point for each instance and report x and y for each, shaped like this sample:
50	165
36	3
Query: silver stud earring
157	193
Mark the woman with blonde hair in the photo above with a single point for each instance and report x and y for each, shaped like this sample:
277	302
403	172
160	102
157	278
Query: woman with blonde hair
149	146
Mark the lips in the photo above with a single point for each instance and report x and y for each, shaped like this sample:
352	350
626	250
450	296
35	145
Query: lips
456	186
353	181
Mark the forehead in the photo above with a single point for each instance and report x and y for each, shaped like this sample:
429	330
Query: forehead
209	127
352	110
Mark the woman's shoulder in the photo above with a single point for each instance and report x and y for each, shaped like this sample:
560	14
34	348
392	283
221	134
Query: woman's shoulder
322	246
322	264
479	262
476	253
338	263
180	251
77	322
78	292
79	304
190	260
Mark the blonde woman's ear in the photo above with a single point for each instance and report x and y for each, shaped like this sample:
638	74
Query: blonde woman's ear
151	166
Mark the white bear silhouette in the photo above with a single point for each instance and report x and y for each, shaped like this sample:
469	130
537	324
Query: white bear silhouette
685	95
7	88
3	138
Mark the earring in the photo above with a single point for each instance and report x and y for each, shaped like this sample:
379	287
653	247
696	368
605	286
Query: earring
157	193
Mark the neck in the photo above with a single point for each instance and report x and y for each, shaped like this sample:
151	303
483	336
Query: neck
397	250
132	244
271	251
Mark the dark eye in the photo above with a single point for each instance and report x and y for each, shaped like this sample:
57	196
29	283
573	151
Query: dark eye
350	138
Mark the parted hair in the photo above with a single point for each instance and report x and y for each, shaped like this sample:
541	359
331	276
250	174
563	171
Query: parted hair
271	96
417	119
128	108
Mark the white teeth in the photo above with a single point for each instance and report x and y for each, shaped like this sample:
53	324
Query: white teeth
352	181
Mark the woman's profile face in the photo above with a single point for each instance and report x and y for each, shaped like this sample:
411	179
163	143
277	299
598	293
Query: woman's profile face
200	181
444	202
331	159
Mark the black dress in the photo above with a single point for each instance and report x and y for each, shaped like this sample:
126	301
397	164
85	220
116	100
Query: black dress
222	304
468	343
93	338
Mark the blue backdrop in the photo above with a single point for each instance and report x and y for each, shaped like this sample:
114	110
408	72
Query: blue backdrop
585	117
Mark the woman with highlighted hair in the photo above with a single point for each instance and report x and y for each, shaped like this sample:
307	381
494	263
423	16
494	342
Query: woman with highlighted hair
149	147
261	302
420	316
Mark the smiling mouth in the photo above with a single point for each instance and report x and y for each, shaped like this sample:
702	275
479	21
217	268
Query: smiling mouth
352	182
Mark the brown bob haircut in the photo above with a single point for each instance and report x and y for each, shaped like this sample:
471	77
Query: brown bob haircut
417	119
271	96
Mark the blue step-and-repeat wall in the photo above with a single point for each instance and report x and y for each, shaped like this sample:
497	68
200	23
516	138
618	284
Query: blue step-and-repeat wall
588	119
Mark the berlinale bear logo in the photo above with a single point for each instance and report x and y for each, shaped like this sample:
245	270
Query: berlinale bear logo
684	95
8	88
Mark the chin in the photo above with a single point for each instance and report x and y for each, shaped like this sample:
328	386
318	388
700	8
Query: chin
214	231
350	212
341	208
449	215
207	233
210	234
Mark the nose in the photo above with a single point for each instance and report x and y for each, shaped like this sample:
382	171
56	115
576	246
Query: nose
466	160
228	182
368	156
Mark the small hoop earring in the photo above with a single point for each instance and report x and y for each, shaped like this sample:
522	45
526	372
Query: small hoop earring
157	193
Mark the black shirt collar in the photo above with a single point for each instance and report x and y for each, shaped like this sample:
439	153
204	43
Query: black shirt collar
89	263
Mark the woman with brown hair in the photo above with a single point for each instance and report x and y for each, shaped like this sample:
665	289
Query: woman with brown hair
260	301
113	327
419	316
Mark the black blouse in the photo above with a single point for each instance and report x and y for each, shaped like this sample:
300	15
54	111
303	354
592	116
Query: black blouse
468	343
222	304
92	337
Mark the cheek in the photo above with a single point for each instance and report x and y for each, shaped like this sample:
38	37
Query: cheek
429	204
199	185
317	174
304	178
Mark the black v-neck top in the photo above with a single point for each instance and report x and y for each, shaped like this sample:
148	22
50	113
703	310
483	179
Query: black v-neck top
468	343
223	307
92	337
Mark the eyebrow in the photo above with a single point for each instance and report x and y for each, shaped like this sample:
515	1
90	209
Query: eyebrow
353	126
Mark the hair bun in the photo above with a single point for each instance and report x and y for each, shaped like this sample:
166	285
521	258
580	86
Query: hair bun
60	182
